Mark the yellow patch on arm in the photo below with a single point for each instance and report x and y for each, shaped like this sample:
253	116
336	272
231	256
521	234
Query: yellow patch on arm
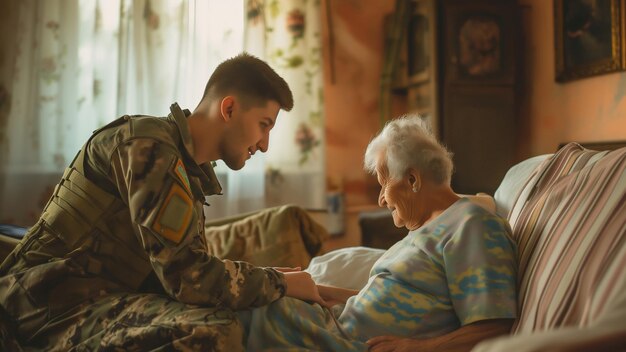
175	214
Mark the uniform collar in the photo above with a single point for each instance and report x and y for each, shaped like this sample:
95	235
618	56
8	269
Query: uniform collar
206	173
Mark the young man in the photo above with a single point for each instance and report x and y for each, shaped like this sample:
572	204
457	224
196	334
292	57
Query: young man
118	258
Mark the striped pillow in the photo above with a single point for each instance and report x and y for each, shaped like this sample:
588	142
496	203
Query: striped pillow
570	225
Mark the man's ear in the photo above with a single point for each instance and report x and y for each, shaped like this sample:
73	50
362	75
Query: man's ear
415	180
226	107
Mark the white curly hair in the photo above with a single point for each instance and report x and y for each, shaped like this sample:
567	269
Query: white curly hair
408	142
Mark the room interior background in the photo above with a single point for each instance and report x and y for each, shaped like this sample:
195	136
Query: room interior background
353	51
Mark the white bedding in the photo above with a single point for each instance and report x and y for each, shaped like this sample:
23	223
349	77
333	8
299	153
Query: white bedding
345	267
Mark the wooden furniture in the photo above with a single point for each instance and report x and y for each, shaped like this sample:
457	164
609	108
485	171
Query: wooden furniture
457	67
378	230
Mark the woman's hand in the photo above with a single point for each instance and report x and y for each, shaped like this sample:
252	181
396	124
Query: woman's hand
300	285
392	343
461	340
286	269
335	295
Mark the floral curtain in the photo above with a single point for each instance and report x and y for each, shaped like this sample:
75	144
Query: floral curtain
286	33
70	66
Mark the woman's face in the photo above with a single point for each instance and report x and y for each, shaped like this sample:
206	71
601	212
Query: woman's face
399	197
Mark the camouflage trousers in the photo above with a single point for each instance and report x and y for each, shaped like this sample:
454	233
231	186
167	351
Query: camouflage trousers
141	322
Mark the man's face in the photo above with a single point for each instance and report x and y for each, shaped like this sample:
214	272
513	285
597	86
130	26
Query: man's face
247	132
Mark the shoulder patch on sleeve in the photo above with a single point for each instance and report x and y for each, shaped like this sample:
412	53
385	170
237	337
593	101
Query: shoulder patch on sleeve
174	216
179	170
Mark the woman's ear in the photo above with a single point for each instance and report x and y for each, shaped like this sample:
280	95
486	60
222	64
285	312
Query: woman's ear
415	180
226	107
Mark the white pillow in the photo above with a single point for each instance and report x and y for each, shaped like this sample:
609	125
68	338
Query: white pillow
345	267
513	182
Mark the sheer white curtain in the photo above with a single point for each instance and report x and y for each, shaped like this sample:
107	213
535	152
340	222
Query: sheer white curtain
70	66
286	33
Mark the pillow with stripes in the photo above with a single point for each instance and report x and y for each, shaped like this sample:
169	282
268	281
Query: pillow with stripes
570	226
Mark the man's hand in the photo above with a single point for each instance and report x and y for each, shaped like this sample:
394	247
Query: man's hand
300	285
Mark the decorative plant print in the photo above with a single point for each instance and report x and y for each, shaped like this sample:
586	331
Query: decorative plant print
54	27
306	141
254	12
49	72
274	176
150	16
295	23
284	61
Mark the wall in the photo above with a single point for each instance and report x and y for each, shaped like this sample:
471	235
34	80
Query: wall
587	110
353	43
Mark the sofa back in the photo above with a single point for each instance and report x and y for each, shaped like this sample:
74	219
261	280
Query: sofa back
569	220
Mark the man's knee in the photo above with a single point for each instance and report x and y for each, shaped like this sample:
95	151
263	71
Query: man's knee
141	322
199	328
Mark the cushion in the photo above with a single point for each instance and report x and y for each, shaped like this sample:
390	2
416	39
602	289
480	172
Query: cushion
570	225
513	182
279	236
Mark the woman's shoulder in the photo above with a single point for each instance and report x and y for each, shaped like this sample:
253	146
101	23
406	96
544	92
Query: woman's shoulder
483	200
467	215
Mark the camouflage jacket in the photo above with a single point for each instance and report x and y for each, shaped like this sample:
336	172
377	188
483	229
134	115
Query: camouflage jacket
127	216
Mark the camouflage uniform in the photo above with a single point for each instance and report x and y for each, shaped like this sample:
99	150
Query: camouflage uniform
118	259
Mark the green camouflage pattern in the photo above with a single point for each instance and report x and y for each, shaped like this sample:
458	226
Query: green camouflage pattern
111	232
142	322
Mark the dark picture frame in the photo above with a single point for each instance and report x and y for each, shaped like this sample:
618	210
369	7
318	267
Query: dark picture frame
589	38
480	43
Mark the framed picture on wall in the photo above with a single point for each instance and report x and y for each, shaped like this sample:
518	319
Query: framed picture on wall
480	40
589	38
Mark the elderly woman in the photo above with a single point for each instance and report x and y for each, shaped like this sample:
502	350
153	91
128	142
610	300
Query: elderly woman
447	285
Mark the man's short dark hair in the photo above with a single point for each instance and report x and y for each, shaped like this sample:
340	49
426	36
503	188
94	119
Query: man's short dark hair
251	79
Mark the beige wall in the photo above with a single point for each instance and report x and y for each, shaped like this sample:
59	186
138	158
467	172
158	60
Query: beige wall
353	52
587	110
353	43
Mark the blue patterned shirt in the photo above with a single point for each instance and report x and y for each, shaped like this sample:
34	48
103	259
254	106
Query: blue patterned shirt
457	269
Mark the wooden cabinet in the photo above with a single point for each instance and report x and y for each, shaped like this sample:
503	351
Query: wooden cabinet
478	91
467	83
